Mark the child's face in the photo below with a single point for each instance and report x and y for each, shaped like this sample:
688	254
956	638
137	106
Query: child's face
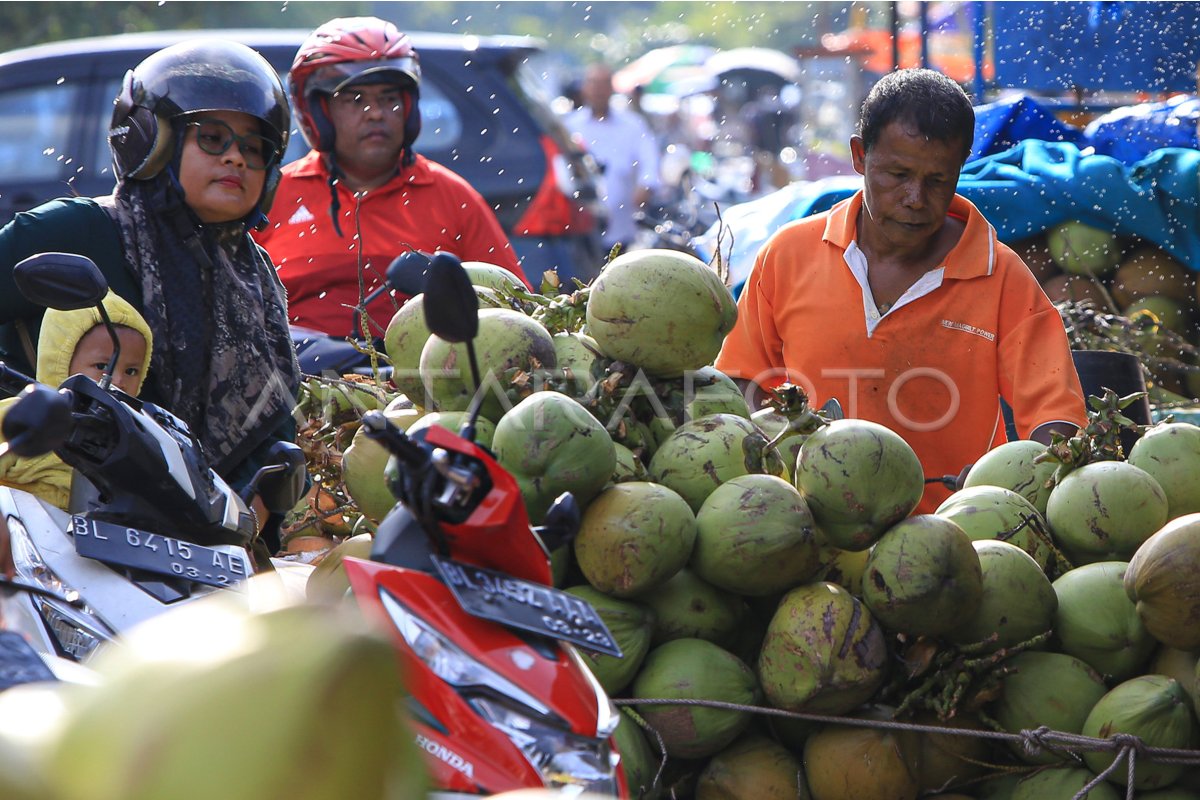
95	349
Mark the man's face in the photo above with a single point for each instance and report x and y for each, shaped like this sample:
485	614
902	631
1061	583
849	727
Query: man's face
369	128
597	88
908	183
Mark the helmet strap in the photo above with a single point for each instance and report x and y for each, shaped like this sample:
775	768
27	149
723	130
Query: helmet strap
335	205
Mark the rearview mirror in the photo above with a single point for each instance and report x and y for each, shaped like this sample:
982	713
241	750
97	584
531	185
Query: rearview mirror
280	481
407	273
451	305
64	281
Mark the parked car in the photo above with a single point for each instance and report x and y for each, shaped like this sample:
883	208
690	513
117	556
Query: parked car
484	116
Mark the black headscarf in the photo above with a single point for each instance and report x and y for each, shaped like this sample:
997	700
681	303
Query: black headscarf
223	358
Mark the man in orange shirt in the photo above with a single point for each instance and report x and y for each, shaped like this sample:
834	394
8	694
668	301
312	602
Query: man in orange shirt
362	196
903	304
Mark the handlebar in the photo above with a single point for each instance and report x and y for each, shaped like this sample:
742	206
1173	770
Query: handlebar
381	430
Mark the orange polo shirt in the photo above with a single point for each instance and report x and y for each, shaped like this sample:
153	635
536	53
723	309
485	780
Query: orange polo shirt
426	207
934	367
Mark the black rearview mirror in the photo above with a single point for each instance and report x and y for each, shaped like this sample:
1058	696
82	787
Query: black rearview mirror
64	281
408	272
451	305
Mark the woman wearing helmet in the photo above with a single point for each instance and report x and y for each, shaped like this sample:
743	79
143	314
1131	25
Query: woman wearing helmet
362	195
196	137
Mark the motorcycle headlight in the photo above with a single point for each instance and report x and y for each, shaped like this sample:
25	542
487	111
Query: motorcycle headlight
566	761
573	764
448	661
76	631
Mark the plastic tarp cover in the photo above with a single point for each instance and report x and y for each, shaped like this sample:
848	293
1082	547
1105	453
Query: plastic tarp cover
1022	191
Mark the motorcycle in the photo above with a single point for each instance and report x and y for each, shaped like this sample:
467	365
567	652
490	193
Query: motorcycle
320	353
150	525
501	699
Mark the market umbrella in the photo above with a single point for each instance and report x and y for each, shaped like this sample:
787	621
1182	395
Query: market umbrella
754	59
657	69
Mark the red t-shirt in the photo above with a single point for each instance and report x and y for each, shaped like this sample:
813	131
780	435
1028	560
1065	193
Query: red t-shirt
425	207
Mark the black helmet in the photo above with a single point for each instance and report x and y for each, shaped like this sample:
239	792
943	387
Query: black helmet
199	75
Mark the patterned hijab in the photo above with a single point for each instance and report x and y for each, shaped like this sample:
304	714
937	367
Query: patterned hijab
223	359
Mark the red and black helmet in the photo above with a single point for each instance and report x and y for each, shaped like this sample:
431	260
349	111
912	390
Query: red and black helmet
345	52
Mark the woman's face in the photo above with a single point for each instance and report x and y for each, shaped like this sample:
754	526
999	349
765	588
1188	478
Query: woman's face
219	188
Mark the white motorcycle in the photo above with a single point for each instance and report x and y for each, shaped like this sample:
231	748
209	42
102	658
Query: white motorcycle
150	525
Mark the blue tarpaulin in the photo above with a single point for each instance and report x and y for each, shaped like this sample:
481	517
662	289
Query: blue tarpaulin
1022	191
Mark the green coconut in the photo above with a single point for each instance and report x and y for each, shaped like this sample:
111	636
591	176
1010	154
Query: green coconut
551	444
1163	580
772	423
661	310
754	767
493	276
364	463
1064	782
1153	708
629	467
843	567
579	360
485	429
631	625
1098	623
923	577
633	537
1083	249
1011	466
755	536
946	760
858	478
1180	665
508	343
1150	270
403	341
1018	601
823	652
993	512
685	606
1039	689
844	762
695	669
702	454
639	762
1104	510
1167	312
1170	453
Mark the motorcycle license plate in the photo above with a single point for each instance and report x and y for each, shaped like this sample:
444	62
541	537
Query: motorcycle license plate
129	547
526	605
19	662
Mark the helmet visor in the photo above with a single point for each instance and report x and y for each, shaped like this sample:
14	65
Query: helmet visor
336	77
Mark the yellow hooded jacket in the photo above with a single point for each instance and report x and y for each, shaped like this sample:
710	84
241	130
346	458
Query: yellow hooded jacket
47	476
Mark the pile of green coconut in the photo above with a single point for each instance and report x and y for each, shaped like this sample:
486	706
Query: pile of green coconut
768	558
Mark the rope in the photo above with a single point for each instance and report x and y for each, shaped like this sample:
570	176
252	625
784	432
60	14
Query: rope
1128	748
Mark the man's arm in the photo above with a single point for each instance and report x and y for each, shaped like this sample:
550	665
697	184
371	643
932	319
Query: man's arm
756	396
1043	433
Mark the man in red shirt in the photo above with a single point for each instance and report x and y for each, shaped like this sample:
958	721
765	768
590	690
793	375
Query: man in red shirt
362	196
903	304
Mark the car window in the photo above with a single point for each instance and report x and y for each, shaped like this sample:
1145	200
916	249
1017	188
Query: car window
34	125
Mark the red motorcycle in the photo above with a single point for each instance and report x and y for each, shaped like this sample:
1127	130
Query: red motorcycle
499	697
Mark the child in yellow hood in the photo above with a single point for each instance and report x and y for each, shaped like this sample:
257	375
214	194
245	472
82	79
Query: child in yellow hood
71	343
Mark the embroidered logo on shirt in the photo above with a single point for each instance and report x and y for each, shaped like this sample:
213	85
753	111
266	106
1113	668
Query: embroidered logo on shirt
302	215
962	326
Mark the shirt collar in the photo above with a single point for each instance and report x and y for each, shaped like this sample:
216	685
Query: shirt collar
974	255
312	165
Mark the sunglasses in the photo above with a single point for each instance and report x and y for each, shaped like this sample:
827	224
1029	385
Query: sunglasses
215	138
